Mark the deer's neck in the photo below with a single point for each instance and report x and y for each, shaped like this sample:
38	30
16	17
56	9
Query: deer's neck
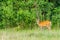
38	21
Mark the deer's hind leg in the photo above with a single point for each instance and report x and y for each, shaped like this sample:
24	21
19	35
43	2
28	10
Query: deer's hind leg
49	27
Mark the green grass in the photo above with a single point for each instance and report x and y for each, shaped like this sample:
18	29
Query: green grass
34	34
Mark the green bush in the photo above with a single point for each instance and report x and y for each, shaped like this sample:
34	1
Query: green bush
22	13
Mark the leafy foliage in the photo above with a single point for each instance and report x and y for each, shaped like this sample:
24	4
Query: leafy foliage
22	14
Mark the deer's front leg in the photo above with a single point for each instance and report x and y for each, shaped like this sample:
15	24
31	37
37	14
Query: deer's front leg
41	27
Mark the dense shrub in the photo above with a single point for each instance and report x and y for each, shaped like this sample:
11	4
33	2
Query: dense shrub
22	13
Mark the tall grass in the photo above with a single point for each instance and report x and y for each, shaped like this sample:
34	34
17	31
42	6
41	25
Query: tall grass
30	35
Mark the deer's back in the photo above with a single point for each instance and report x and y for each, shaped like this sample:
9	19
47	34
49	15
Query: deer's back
45	23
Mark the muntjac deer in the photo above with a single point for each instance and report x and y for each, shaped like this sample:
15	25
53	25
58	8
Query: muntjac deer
43	24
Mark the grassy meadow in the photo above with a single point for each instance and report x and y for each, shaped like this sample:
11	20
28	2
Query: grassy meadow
35	34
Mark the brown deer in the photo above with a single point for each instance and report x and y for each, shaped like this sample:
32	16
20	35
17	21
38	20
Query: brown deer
43	24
